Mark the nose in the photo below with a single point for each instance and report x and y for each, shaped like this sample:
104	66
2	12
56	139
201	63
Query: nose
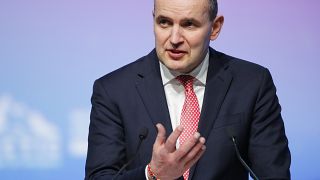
176	38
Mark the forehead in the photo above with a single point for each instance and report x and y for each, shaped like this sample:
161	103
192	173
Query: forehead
182	8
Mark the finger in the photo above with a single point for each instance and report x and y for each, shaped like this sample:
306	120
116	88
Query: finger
187	146
161	136
171	142
196	158
194	151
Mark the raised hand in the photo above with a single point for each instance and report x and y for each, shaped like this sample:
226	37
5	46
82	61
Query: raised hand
170	163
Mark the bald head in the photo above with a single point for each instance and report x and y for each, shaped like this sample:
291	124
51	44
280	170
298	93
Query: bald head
212	8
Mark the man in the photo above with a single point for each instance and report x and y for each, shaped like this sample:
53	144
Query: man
193	100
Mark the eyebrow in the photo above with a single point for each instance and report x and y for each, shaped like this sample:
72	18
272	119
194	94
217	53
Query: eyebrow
183	20
190	19
162	17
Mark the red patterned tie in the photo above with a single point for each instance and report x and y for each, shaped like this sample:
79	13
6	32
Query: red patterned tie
190	114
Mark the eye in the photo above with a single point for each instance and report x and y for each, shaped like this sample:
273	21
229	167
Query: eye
188	24
163	22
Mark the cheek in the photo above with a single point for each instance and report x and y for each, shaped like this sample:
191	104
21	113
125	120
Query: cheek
200	36
199	41
160	37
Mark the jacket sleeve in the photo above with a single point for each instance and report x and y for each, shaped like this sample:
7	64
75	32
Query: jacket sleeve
106	141
269	154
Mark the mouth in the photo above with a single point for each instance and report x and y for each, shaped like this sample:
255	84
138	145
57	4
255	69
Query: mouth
176	54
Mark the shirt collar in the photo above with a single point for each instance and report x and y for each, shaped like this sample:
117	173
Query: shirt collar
200	72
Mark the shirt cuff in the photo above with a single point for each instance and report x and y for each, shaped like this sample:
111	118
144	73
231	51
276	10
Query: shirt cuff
146	172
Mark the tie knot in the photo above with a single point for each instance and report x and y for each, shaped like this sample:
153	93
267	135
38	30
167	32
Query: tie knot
186	81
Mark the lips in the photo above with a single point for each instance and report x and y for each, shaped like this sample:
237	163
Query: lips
176	54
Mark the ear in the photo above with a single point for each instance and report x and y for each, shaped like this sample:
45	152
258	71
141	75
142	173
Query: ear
216	27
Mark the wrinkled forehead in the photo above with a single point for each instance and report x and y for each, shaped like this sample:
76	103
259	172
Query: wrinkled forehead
204	2
177	8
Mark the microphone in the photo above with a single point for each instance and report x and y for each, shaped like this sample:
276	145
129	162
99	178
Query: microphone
142	136
231	133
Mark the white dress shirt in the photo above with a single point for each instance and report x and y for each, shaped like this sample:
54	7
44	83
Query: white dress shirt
174	90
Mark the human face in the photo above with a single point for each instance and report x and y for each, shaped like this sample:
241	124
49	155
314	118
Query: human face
182	33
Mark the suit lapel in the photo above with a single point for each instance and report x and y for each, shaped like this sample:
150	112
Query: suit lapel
218	82
150	88
217	85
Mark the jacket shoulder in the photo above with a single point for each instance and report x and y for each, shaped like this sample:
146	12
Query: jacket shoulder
239	67
129	72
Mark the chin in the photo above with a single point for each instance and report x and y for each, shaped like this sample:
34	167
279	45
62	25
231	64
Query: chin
174	66
178	69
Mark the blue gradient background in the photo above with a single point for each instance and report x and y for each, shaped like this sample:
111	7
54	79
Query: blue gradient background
52	51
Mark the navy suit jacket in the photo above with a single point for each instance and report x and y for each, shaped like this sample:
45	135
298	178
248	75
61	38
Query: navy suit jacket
239	95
